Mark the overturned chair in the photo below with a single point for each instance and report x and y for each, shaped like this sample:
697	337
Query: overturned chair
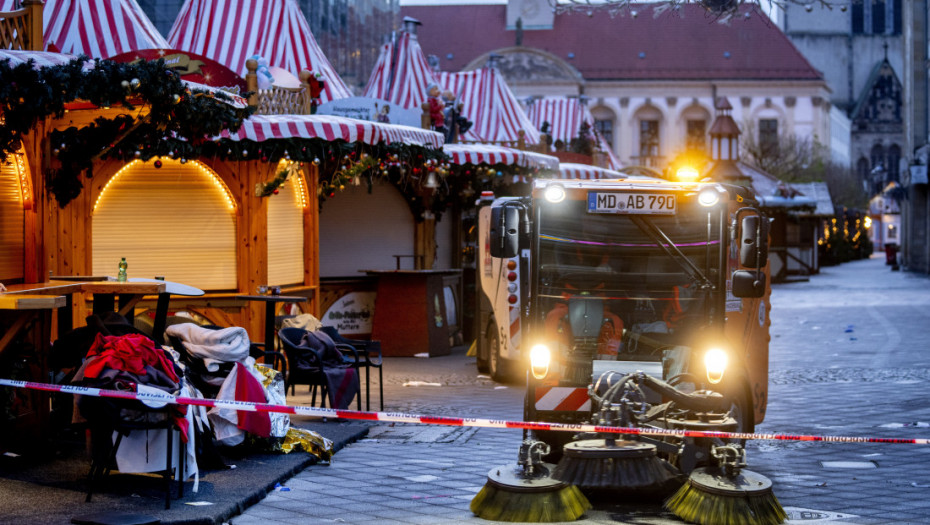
314	359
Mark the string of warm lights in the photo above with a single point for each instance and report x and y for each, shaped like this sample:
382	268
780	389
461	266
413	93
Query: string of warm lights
213	177
25	188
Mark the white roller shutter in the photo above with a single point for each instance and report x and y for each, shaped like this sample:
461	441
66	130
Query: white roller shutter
286	234
176	221
12	237
362	231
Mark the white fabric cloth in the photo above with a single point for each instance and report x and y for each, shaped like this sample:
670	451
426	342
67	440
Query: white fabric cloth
226	345
304	321
144	450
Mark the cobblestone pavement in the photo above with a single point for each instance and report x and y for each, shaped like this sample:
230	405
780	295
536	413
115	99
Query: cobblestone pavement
850	356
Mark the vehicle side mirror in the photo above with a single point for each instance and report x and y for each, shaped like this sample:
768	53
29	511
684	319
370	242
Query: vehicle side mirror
754	241
505	238
748	283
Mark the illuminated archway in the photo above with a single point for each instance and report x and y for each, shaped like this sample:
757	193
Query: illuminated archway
286	229
176	221
15	198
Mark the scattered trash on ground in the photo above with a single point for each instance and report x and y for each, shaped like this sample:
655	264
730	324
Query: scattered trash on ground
421	383
917	424
421	354
849	328
198	503
281	488
499	387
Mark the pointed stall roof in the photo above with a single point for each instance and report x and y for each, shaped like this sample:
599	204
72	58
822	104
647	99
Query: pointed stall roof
565	115
401	74
96	28
488	102
230	32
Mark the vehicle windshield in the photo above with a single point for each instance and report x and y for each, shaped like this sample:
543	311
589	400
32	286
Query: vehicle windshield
612	285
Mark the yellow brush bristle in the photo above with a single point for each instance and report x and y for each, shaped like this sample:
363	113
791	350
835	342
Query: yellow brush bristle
697	506
498	504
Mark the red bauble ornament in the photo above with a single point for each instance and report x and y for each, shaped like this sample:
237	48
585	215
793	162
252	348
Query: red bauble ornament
157	163
275	192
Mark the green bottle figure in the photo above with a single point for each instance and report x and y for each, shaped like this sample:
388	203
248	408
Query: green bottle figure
121	276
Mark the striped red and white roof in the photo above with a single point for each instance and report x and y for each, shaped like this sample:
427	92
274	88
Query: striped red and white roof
231	31
490	154
565	115
260	128
96	28
495	113
401	74
41	58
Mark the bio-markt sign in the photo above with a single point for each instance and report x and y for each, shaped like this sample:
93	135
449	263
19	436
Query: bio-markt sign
352	314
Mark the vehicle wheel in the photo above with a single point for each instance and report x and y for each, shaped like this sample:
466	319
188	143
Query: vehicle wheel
495	362
481	353
741	411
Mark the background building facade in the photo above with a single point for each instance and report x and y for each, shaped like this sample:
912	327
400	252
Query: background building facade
858	45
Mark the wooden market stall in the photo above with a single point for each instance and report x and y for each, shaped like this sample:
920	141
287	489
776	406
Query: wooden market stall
563	119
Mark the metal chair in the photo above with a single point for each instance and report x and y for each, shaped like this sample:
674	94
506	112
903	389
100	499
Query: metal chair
371	351
306	364
104	450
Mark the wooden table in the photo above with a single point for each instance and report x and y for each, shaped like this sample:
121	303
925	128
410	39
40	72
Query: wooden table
164	299
271	303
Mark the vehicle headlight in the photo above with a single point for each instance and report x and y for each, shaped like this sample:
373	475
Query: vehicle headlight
540	356
715	361
555	193
708	197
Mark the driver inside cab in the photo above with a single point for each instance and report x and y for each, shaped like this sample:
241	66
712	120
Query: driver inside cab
583	283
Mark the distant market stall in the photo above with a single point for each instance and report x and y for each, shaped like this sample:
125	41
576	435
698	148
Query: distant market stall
281	36
566	120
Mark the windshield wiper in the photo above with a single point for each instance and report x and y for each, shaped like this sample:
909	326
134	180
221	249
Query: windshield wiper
666	245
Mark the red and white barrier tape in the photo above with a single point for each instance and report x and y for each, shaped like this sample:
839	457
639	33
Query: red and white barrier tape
436	420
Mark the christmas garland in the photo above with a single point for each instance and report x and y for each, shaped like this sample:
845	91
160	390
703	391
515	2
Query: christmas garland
173	110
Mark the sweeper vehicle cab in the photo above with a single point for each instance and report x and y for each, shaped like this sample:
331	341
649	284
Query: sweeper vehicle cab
630	302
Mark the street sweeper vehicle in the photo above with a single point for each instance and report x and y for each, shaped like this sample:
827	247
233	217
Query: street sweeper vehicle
587	282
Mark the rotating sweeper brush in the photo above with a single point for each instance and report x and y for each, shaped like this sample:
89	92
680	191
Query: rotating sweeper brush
727	494
525	492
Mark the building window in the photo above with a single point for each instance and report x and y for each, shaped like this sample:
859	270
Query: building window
648	138
894	159
605	130
696	138
862	168
768	136
892	232
876	17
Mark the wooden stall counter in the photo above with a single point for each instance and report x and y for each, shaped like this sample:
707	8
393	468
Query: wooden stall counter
410	311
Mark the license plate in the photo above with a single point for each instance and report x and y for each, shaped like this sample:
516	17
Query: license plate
621	202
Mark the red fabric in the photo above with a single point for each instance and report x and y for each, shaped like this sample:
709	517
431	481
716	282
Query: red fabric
249	389
129	353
